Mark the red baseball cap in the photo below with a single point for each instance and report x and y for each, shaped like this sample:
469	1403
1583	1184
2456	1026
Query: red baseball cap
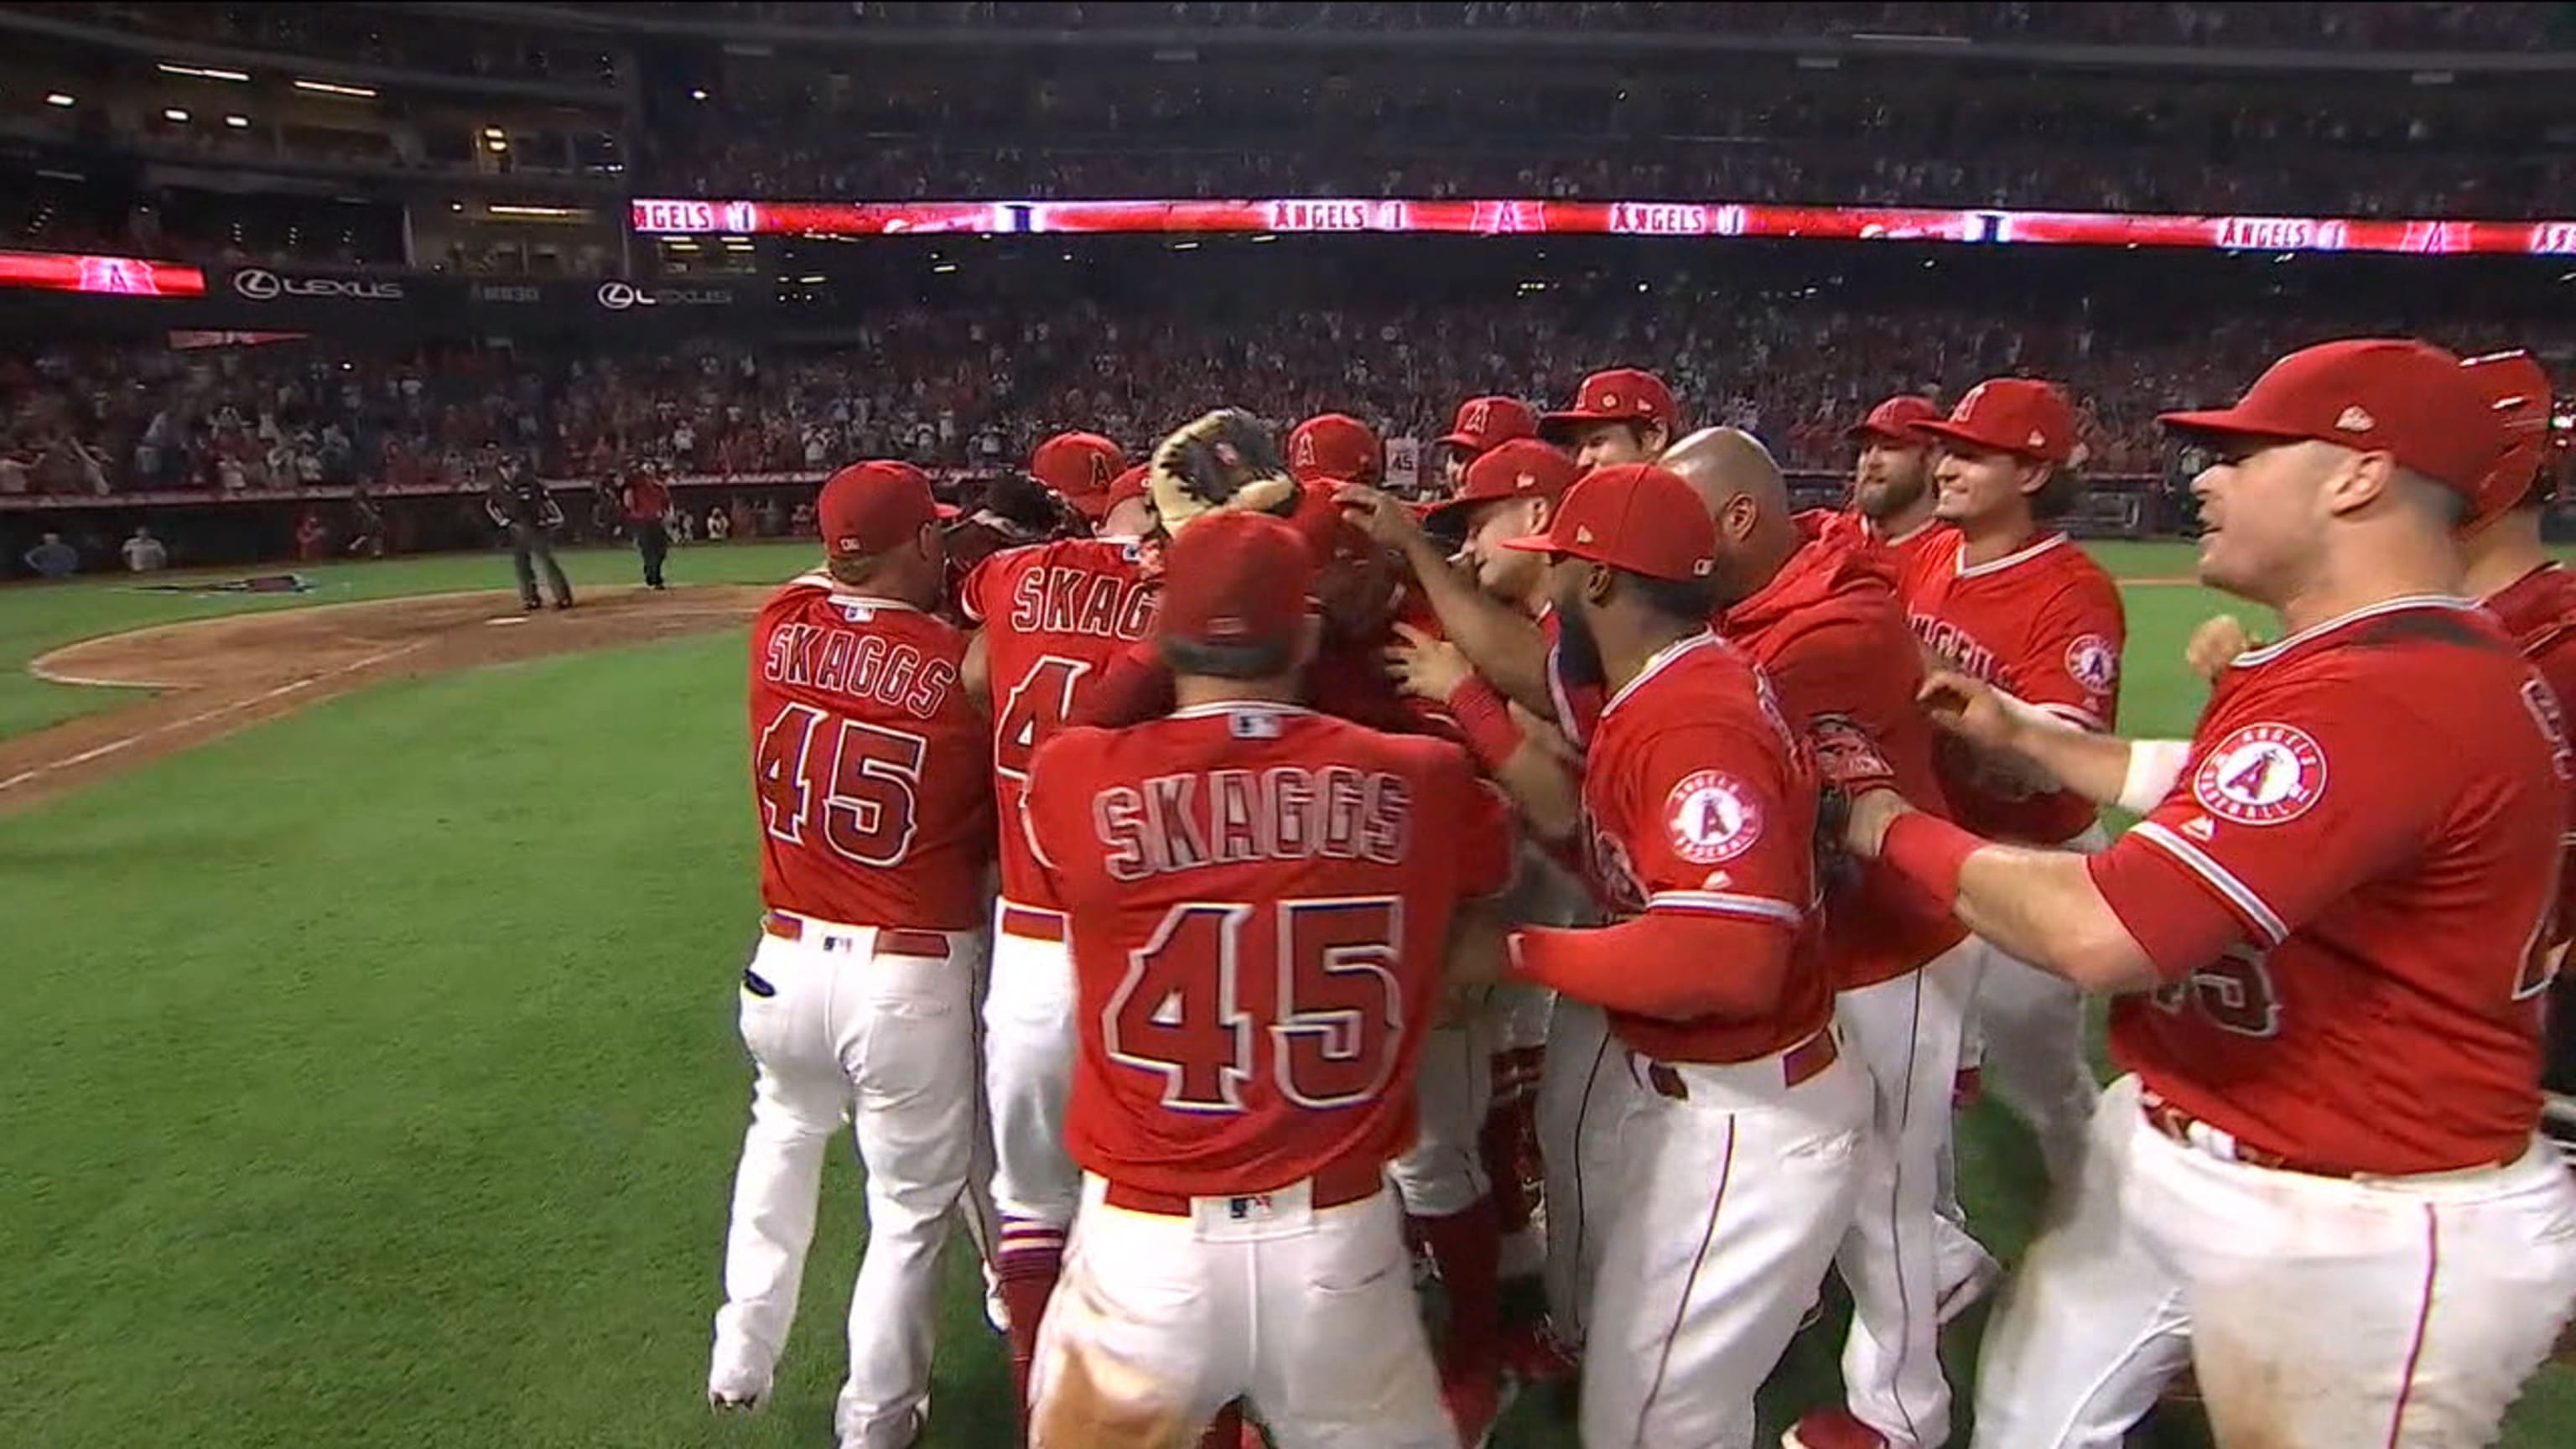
1077	467
1486	422
1521	468
873	506
1620	395
1335	447
2406	398
1898	420
1127	485
2018	415
1235	577
2517	393
1636	517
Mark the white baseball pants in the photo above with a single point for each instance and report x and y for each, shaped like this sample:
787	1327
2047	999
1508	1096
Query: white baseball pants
1443	1172
1728	1205
1028	1074
2318	1312
1904	1035
2032	1032
1309	1313
1584	1096
842	1030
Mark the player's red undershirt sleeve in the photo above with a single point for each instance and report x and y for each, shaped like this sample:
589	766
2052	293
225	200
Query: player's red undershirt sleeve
1132	688
1676	963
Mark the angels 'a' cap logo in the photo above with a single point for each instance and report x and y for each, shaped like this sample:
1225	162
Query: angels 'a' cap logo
2355	419
2093	663
1305	450
1709	817
2262	774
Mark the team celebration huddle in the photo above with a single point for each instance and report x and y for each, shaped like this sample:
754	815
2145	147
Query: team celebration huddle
1257	893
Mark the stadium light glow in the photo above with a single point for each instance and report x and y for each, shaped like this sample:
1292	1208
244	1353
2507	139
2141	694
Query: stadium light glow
173	113
58	98
238	123
334	88
202	72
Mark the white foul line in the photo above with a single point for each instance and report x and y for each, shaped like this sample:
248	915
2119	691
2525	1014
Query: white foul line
112	746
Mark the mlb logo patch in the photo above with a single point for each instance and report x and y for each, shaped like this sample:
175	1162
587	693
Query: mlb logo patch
1254	724
1248	1209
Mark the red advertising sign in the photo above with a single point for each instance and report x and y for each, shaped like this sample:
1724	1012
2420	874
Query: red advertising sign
1625	218
70	272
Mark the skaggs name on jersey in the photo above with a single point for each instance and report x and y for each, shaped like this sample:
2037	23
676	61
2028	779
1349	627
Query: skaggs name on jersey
863	666
1207	818
1059	600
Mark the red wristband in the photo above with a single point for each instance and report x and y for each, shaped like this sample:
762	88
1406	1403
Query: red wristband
1485	720
1928	851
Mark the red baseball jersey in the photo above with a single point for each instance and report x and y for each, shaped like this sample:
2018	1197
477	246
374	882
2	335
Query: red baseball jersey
1259	899
868	761
1697	797
1054	615
2539	611
2043	623
647	499
2348	893
1832	638
1928	537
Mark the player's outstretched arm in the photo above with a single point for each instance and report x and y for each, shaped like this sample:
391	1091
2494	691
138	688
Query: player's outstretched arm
1499	640
1661	963
1514	749
2040	906
2104	769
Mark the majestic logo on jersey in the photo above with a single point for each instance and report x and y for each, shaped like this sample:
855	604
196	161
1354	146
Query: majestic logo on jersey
1710	817
2093	663
2263	774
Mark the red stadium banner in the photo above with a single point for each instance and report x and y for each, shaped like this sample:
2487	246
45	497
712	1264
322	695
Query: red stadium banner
71	272
1626	218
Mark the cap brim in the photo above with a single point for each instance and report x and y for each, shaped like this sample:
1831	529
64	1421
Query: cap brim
1953	433
2235	421
1538	543
1460	440
946	511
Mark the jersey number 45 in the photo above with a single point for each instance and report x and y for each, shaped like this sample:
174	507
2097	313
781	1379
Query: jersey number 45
1191	1005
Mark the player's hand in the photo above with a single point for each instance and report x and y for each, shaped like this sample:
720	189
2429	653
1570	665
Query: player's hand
1866	819
2215	645
1387	522
1969	708
1424	667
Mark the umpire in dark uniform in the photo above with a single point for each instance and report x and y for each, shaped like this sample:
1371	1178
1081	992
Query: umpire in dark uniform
518	502
646	500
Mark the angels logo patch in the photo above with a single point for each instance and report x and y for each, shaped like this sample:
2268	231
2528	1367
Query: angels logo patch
2263	774
1710	817
2093	663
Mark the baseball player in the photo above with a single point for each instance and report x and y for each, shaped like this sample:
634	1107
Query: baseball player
1130	513
2007	598
646	499
1481	425
518	501
1078	468
1817	610
1052	615
1739	1140
1622	415
1260	897
869	764
2319	1184
2508	570
1335	448
1892	495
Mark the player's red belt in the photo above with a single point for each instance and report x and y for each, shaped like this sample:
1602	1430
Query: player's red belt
889	940
2176	1123
1338	1185
1799	1064
1031	925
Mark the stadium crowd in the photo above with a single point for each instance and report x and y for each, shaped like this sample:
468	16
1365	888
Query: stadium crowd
975	387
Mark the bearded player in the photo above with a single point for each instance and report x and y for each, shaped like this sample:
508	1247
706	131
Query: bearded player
2319	1185
1738	1139
869	763
1053	615
1260	897
2004	596
1892	498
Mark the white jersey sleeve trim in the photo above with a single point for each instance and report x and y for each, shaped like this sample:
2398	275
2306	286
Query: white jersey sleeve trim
2219	877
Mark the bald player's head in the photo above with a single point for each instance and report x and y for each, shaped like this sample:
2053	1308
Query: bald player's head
1740	485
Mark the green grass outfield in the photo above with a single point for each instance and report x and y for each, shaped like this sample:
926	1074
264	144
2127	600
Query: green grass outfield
368	1078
